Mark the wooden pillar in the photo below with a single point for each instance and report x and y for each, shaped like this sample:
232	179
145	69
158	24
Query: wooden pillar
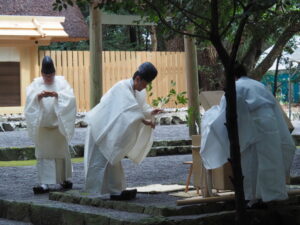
25	70
202	177
192	84
96	90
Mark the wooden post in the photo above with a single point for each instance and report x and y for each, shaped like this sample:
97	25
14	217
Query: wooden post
191	66
192	83
95	55
202	177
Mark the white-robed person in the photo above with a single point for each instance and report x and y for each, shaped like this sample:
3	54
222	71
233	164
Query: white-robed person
120	125
50	113
266	146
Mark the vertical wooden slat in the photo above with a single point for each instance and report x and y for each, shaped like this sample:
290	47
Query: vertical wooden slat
124	66
81	80
58	63
129	71
70	75
76	77
87	79
64	64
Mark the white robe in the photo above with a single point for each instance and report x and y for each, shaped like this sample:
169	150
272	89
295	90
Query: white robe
115	131
266	146
50	124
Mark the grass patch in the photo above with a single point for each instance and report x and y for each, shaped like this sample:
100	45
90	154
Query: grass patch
30	162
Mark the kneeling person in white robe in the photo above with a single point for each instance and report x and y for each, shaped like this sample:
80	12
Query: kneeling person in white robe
266	146
50	113
120	125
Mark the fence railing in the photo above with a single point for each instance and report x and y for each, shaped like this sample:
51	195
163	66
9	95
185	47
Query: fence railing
118	65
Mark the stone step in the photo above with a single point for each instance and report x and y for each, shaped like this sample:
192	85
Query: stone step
161	204
58	213
159	148
46	212
12	222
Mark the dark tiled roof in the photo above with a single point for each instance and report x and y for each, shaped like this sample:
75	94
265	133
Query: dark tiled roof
74	24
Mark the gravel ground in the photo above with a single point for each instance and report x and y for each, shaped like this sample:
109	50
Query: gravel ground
17	182
21	139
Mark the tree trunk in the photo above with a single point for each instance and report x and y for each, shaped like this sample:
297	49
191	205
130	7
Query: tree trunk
133	35
235	155
153	38
276	76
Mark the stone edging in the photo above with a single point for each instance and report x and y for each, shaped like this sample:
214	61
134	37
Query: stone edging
160	148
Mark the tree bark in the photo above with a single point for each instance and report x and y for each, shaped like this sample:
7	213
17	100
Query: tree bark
153	38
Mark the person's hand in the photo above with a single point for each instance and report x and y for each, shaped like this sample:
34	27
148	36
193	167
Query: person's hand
149	123
41	95
156	111
52	94
45	94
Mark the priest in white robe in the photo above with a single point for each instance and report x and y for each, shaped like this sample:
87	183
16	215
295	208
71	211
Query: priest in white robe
266	146
50	113
120	125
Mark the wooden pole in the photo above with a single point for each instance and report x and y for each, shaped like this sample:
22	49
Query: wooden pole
192	83
96	90
201	176
198	200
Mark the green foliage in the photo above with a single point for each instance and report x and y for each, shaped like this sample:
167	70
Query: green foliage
178	98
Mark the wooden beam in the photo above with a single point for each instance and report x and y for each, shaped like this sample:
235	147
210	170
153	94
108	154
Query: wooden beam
21	42
14	109
198	200
113	19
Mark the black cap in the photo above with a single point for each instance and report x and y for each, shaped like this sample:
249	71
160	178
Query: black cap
47	65
147	71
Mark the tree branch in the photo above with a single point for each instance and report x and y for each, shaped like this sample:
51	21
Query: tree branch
214	35
186	12
163	20
231	20
239	33
286	35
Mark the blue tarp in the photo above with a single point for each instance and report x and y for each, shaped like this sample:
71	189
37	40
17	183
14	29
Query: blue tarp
282	86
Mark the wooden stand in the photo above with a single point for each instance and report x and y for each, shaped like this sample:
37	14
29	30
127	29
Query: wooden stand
202	177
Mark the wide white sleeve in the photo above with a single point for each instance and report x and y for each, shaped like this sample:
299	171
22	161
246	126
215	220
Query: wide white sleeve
32	109
142	100
65	109
214	139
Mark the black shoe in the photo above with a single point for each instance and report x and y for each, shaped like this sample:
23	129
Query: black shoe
258	205
40	190
125	195
67	185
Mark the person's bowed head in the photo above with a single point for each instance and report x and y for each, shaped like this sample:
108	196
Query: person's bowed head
145	74
48	74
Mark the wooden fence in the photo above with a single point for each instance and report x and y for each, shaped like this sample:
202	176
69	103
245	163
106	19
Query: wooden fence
118	65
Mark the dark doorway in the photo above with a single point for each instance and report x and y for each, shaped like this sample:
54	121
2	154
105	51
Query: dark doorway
10	84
